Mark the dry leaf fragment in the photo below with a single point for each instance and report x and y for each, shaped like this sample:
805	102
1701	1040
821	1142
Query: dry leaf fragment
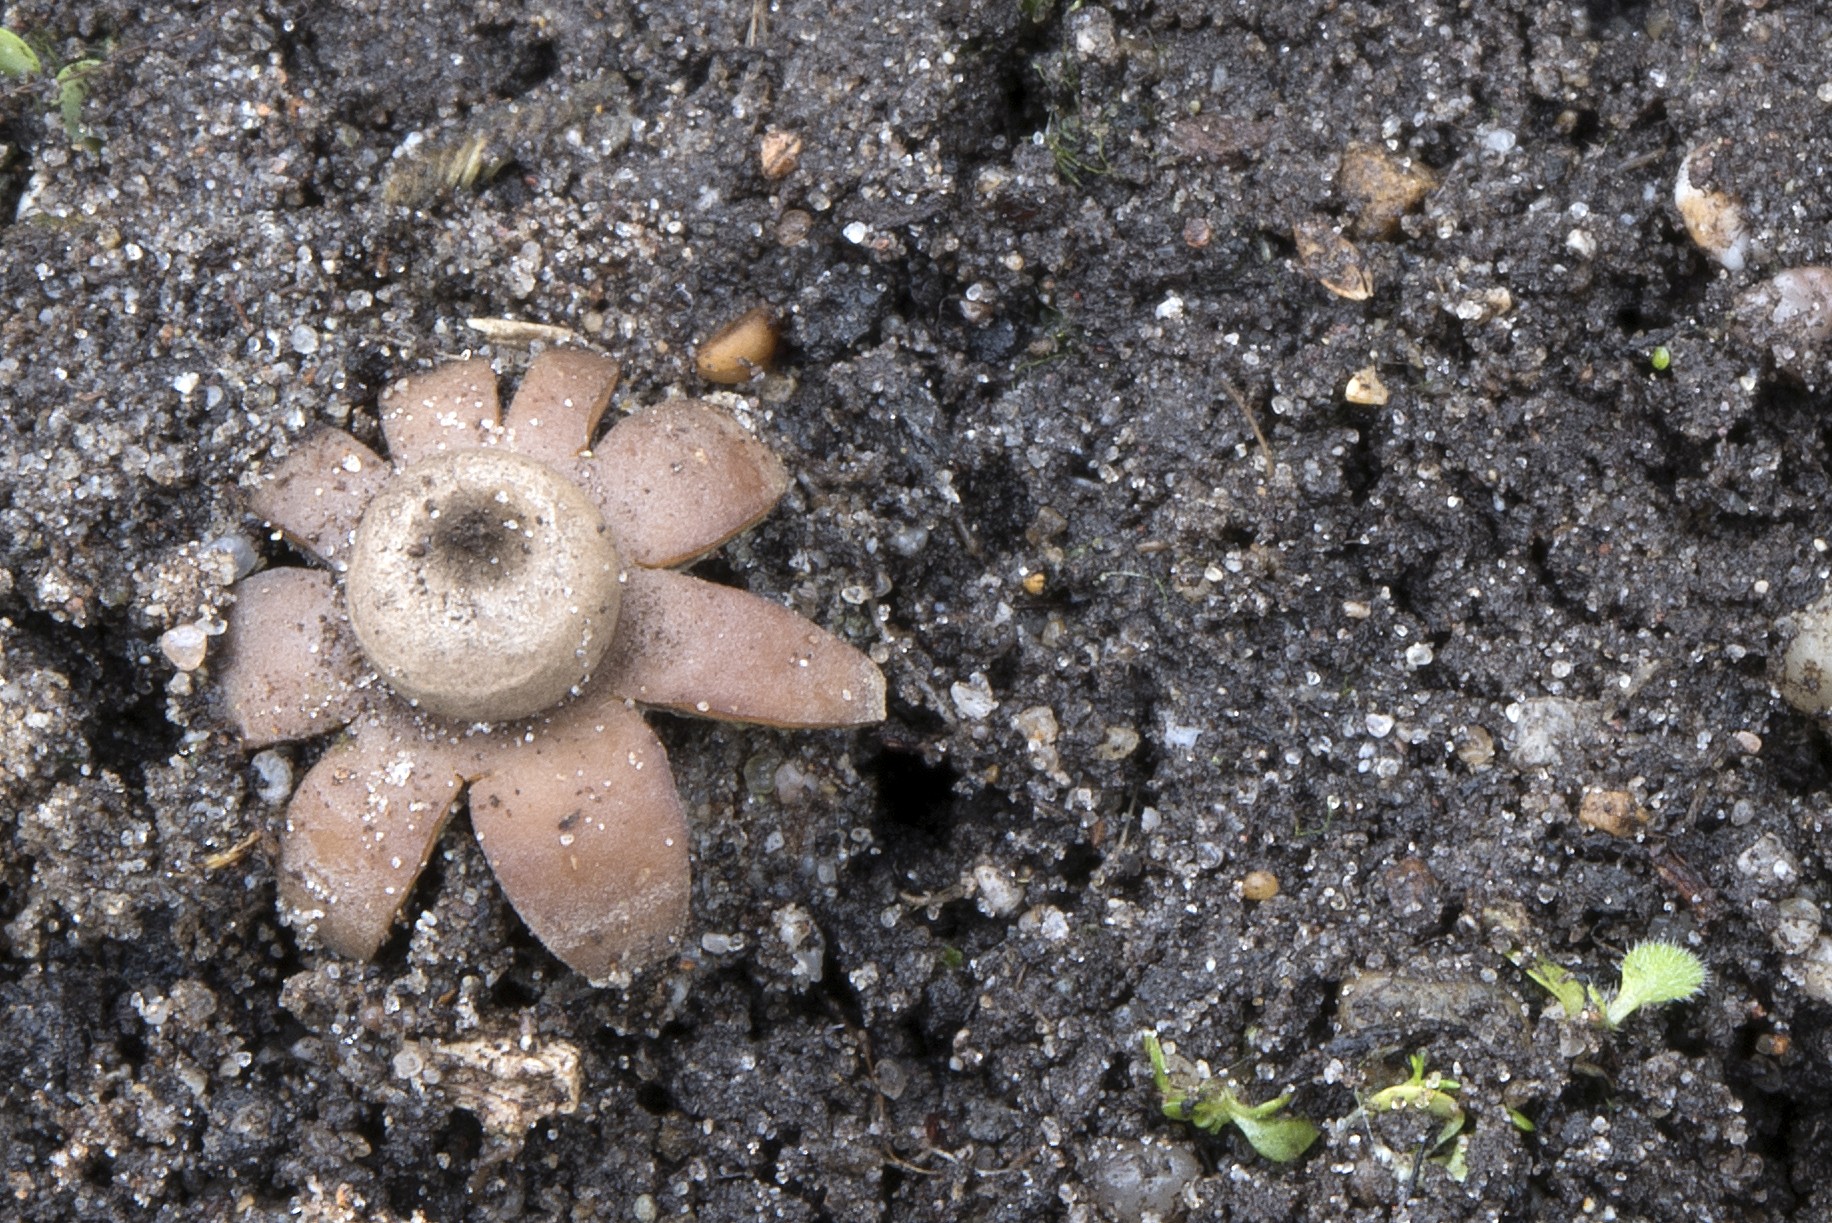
1332	260
1365	387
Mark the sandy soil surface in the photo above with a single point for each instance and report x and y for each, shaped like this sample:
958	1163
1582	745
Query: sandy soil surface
1293	438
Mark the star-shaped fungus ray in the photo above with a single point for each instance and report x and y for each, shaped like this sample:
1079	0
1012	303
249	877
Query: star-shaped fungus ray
452	407
581	823
697	648
556	409
677	480
317	496
292	669
361	825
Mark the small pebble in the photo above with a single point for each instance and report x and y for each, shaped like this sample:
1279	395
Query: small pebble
794	227
1713	218
1117	743
185	646
1366	388
1798	927
273	777
999	894
1381	188
1475	746
973	700
1259	885
1612	811
779	154
1132	1180
239	549
739	351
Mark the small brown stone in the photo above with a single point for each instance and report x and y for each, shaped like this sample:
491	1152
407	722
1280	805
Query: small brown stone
1414	893
1613	811
794	227
1714	218
739	351
1774	1044
1381	188
779	154
1475	746
1259	885
184	647
1366	388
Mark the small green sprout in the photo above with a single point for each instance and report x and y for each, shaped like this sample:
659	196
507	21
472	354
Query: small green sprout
1660	358
1565	989
16	58
1653	972
1209	1105
72	89
1435	1095
20	62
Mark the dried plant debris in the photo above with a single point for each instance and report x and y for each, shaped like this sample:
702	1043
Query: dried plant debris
425	171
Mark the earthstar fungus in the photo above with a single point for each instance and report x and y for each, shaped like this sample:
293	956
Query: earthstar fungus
497	605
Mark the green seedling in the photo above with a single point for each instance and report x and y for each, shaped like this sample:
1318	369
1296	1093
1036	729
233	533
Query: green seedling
1434	1095
16	58
1661	358
18	61
1209	1105
1078	148
72	89
1652	972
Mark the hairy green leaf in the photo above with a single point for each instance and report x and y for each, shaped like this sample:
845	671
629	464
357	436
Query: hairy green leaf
17	59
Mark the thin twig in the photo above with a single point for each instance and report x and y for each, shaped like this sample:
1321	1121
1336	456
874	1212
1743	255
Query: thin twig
1240	401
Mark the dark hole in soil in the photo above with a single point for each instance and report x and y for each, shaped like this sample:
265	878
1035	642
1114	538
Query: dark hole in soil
1079	862
918	802
653	1099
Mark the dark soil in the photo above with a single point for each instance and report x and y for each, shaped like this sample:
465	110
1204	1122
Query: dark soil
1042	278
